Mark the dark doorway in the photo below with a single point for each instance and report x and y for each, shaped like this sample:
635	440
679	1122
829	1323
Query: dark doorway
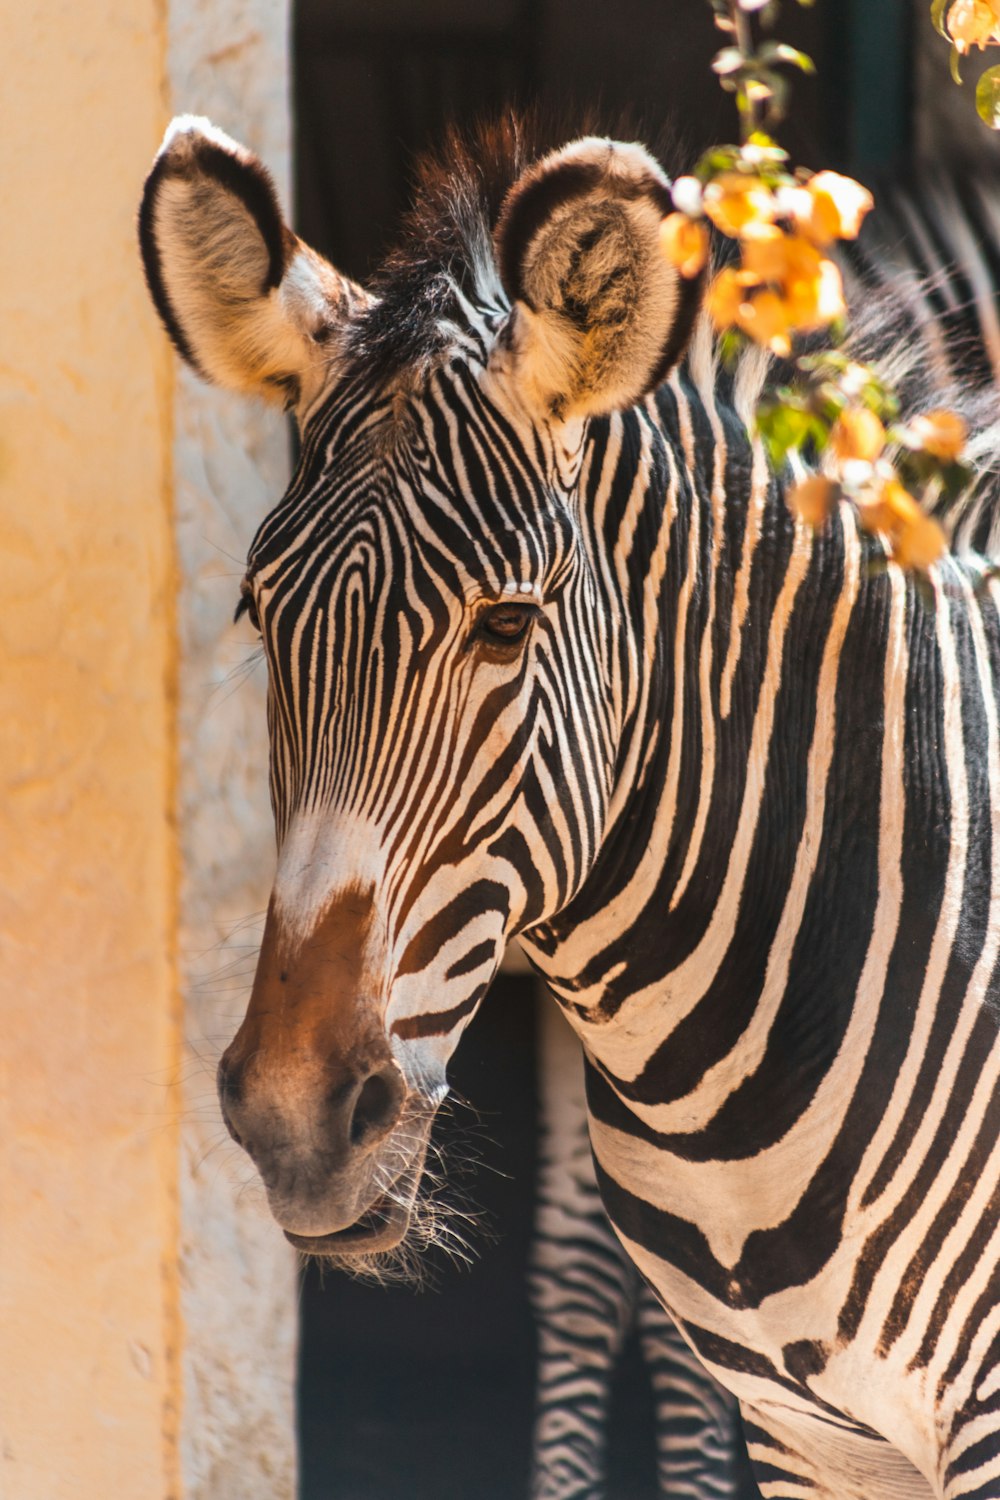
409	1394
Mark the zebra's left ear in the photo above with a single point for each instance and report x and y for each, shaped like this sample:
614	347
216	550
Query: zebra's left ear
600	316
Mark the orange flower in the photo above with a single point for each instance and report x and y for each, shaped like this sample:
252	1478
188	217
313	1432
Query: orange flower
832	207
857	434
727	292
813	499
775	256
735	199
940	433
890	508
765	318
973	23
815	301
917	540
919	545
684	242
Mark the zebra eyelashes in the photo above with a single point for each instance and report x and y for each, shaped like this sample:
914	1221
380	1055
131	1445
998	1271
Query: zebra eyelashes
247	606
505	624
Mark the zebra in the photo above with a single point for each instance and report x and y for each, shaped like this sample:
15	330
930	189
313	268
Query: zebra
936	252
548	655
587	1296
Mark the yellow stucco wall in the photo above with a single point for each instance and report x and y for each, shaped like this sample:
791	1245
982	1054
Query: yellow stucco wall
88	1014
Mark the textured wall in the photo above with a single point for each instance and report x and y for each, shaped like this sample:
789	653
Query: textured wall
147	1309
88	1316
227	60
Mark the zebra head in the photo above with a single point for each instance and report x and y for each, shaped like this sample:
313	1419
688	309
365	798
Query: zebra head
446	698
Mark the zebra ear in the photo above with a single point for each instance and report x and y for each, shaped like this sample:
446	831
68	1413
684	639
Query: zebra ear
245	302
599	317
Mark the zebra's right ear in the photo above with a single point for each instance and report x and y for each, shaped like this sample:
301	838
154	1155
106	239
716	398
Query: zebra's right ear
245	302
599	315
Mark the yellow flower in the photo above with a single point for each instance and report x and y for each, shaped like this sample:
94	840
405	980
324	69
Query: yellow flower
684	242
920	544
764	317
973	23
775	256
917	540
815	301
857	434
813	499
836	207
727	292
940	433
735	199
890	508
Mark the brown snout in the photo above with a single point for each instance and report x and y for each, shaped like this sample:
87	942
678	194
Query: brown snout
310	1089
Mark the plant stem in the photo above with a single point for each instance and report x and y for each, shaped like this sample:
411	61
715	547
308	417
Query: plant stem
743	33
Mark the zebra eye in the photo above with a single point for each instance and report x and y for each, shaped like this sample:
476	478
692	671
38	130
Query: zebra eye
506	622
247	606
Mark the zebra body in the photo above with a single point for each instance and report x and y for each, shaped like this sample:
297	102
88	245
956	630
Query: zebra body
791	1230
548	655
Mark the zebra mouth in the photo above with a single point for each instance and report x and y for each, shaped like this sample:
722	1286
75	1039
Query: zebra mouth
382	1225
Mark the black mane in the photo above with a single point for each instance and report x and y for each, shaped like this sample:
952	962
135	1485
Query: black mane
446	236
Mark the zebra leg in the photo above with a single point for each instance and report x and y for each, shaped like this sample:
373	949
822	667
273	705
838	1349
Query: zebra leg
699	1442
582	1285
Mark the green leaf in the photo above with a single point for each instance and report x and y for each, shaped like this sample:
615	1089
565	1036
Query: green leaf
938	9
767	146
786	425
988	98
718	159
956	478
780	52
877	564
837	331
731	345
955	55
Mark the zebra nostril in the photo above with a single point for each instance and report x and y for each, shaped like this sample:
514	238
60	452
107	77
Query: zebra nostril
376	1108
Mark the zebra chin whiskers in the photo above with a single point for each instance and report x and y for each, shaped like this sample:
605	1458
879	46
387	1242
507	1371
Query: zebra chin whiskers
444	1223
432	1227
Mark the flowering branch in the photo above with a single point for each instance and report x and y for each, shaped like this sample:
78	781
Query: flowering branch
836	411
968	24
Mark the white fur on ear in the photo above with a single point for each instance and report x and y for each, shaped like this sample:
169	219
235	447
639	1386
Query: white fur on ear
243	299
599	316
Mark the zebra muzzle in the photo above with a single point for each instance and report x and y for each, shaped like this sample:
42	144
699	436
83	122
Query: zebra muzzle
311	1091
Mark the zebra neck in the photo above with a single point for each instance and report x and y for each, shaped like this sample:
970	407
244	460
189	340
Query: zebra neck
736	617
